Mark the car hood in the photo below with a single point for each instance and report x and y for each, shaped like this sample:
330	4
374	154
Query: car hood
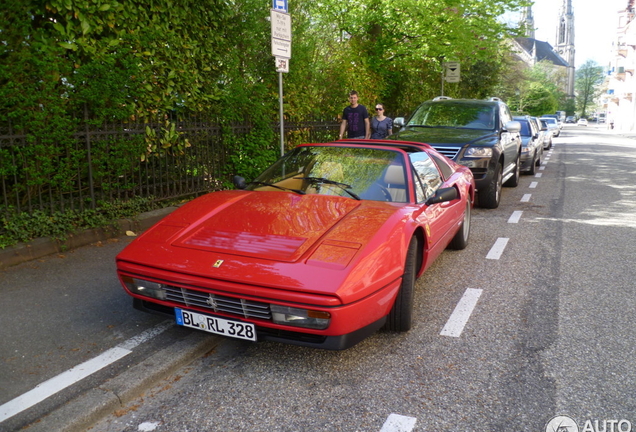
277	226
311	243
526	140
443	136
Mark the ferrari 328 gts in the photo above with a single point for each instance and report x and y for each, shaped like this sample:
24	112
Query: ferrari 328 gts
321	250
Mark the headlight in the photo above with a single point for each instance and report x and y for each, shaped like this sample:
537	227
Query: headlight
478	152
144	287
300	317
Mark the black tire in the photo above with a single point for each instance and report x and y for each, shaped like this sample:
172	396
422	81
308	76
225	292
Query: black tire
400	318
460	241
490	196
514	180
535	162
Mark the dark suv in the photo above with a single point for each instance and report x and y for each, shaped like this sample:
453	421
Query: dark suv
479	134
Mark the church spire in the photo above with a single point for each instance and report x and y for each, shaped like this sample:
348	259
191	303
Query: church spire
565	40
527	21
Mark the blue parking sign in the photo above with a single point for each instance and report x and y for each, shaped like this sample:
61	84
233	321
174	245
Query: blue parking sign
280	5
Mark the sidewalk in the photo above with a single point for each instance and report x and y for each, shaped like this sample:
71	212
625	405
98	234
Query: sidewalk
58	342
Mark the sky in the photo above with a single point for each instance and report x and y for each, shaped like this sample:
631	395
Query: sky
595	23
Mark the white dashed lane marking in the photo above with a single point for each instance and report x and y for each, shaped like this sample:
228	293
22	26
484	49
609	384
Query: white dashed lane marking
526	198
497	249
398	423
533	185
458	319
516	215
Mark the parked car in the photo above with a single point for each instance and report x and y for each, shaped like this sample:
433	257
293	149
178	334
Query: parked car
321	250
546	134
552	125
556	117
531	144
479	134
570	119
582	122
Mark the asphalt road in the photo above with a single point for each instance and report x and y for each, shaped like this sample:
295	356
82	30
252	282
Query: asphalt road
552	332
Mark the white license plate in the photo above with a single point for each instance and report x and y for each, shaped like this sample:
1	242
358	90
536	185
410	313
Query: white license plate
216	325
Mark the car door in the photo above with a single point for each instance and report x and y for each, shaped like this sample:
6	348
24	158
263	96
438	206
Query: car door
509	140
437	219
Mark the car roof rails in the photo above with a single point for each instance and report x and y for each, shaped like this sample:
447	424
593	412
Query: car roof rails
495	99
438	98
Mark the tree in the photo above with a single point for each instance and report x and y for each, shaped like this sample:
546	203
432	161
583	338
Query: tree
589	77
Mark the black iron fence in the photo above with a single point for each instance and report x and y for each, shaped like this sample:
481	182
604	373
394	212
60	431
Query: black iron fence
111	162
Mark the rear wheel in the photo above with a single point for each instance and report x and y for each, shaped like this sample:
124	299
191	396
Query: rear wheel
460	241
400	318
490	195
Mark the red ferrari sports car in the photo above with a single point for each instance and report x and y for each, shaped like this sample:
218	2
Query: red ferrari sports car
321	250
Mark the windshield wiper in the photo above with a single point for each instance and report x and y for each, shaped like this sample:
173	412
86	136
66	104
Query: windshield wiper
298	191
345	187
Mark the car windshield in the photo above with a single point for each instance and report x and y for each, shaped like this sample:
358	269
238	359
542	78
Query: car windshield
454	114
354	172
525	128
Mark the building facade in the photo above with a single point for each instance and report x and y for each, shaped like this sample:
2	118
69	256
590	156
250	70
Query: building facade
619	100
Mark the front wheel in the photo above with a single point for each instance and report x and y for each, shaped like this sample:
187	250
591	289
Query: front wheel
490	196
400	318
535	163
514	180
460	241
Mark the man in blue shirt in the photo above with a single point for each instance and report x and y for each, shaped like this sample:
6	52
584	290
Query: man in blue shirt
355	119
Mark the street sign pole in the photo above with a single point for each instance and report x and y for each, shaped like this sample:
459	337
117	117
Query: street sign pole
281	50
280	113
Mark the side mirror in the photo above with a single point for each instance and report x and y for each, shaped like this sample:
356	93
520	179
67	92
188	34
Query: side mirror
513	126
443	195
399	122
239	182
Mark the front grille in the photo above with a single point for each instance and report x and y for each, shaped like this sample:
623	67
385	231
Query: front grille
449	152
217	303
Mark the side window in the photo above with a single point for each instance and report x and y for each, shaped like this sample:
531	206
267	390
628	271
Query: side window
446	170
504	112
427	177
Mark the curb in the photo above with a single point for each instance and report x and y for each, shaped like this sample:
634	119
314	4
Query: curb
92	406
42	247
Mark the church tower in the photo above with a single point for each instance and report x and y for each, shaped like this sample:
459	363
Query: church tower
527	21
565	41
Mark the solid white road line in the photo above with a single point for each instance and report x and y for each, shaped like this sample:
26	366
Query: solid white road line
516	215
497	249
533	185
458	319
398	423
79	372
526	197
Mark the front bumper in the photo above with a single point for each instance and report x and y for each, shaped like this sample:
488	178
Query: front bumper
348	325
290	337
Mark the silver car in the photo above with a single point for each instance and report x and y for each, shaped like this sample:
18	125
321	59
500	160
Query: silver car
545	133
553	125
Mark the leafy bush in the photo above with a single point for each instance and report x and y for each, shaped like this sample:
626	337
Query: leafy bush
23	227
